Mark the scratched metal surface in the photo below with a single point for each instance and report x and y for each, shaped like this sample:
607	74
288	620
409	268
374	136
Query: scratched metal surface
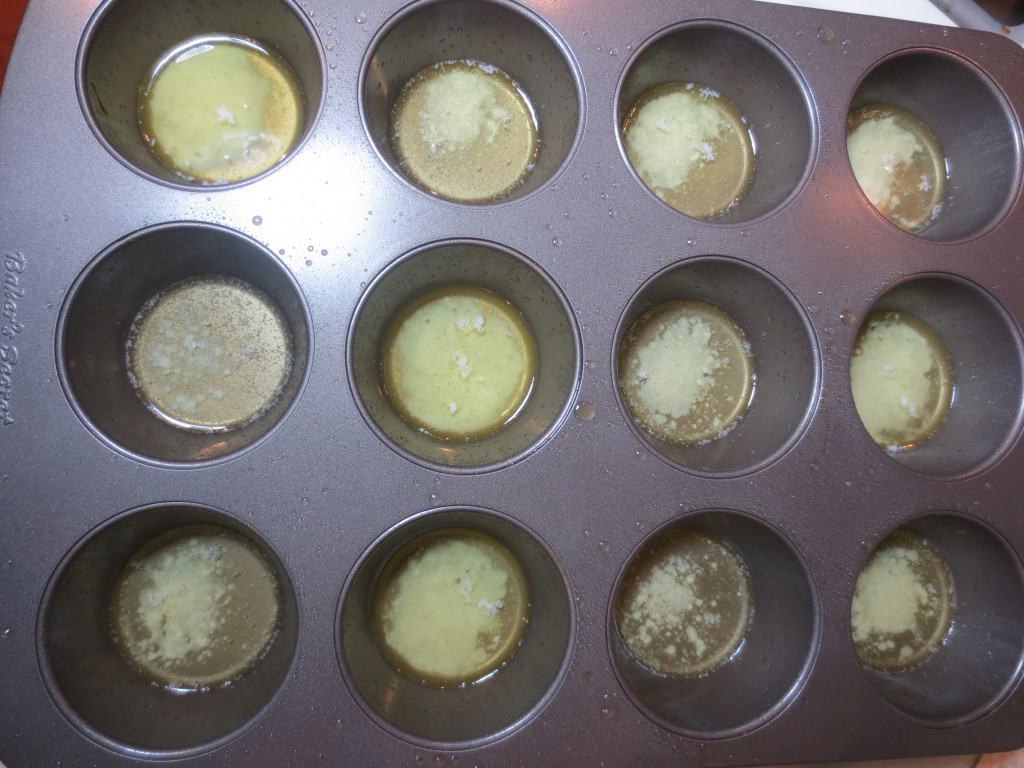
323	487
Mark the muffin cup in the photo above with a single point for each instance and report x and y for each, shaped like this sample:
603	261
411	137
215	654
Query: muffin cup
95	687
98	313
471	715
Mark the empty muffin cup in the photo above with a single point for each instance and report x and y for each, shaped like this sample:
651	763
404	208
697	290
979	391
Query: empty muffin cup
169	614
183	343
716	366
200	93
713	625
942	177
936	376
466	572
938	619
493	376
474	102
715	121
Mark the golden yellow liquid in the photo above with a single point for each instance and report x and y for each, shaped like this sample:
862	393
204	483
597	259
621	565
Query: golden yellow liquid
684	605
450	607
902	380
686	372
898	163
219	109
903	604
465	131
195	607
209	354
692	146
459	362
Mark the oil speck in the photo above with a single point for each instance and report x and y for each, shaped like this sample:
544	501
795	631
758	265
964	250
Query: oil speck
584	411
257	220
826	35
360	18
847	317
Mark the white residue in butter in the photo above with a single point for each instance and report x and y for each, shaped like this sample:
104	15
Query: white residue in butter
460	107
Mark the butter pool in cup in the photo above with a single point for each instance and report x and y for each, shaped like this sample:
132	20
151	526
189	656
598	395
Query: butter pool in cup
217	109
450	607
684	605
902	380
465	131
195	607
209	354
459	362
903	605
686	371
692	146
898	163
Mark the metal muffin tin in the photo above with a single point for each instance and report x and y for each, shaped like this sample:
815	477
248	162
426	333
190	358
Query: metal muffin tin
329	483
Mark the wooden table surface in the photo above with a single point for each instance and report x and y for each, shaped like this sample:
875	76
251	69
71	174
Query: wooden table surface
10	17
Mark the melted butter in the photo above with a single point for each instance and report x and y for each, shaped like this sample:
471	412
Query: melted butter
901	378
220	109
209	354
903	604
684	605
686	372
898	163
195	607
692	147
450	607
459	362
465	131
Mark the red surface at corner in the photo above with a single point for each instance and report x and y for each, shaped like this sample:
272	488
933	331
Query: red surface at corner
10	17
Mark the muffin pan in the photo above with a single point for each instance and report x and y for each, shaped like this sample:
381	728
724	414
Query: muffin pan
331	482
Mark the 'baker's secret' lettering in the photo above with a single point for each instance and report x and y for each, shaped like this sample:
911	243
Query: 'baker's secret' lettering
12	291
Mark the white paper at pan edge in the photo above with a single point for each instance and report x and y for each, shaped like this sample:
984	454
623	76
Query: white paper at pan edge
962	13
909	10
